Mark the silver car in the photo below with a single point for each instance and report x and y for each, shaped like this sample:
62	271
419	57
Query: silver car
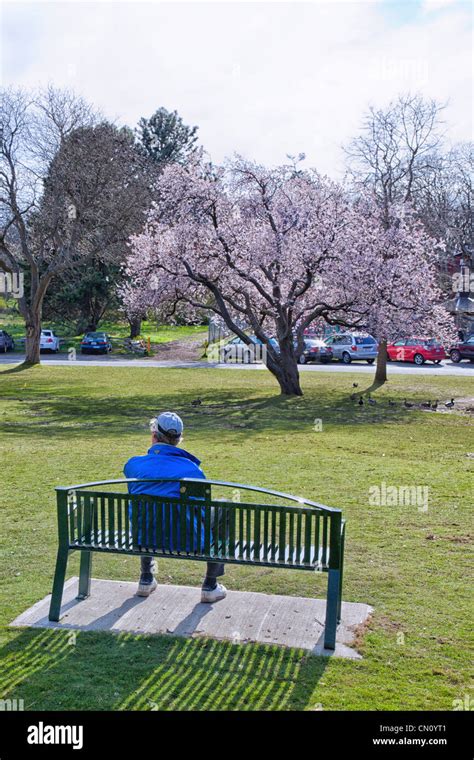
348	347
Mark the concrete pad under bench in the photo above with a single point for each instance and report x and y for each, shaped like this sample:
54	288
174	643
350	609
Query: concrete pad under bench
241	617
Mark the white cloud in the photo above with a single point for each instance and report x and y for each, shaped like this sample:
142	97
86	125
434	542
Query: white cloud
260	79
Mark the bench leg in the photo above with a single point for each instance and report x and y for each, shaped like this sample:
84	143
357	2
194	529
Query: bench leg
341	577
58	585
332	605
85	575
339	600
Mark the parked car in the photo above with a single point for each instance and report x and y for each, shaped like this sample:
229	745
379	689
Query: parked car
315	350
238	351
417	350
6	342
49	341
348	347
463	350
96	343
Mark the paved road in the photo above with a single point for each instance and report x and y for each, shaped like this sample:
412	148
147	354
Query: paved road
464	369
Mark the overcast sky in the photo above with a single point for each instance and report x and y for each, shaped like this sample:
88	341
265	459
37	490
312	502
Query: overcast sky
262	79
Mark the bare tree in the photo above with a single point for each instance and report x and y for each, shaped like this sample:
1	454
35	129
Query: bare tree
445	201
392	154
71	188
394	157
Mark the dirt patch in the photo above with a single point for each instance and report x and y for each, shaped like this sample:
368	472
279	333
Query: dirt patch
458	539
190	350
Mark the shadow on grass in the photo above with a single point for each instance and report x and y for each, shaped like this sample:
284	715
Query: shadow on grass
58	670
69	416
18	368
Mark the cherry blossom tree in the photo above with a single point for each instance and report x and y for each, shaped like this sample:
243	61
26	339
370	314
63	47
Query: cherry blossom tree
275	249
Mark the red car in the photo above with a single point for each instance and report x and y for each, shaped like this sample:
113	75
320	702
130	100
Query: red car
417	350
463	350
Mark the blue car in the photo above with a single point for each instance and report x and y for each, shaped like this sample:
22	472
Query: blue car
96	343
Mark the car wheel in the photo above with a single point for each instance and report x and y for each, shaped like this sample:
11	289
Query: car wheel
419	359
370	361
455	356
346	358
302	359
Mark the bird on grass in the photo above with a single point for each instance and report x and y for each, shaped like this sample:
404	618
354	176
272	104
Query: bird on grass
407	404
355	385
391	403
196	402
434	406
372	401
450	404
426	404
361	401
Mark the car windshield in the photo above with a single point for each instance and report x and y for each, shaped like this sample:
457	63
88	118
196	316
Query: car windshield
48	333
95	335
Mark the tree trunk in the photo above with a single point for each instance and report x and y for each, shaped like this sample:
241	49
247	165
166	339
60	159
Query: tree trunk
381	368
81	326
33	334
135	326
285	369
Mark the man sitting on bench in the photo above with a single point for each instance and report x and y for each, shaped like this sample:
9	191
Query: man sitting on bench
165	459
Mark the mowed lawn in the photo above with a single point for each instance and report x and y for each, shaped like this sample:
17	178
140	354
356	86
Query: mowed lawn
73	424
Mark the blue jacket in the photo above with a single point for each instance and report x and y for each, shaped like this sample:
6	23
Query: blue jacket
169	462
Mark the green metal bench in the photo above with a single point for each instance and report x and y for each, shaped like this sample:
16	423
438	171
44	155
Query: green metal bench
299	535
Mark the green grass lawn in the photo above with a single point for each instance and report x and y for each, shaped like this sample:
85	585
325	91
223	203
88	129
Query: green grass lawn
13	323
73	424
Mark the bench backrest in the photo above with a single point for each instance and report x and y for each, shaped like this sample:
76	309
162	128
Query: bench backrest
301	534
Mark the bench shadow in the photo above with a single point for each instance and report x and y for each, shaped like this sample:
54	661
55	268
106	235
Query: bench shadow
54	669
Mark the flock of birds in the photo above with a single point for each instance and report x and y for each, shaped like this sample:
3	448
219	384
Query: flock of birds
432	405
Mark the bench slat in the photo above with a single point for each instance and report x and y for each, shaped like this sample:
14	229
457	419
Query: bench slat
291	536
117	543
